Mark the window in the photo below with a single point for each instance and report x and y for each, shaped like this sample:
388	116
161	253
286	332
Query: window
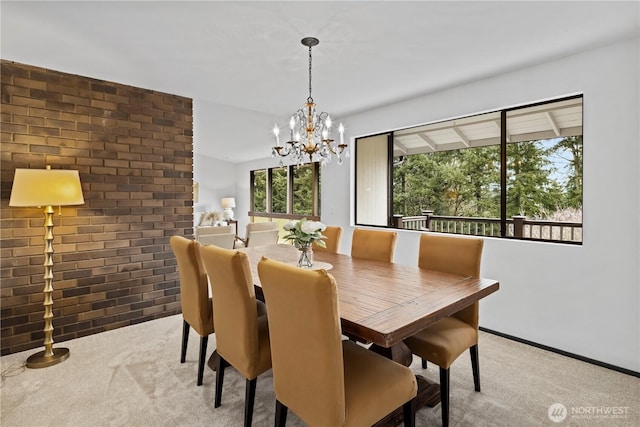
259	190
290	192
513	173
303	190
279	190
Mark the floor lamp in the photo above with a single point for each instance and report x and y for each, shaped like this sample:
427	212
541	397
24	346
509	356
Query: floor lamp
48	188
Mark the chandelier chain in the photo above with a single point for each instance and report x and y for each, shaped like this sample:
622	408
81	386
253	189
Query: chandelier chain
310	99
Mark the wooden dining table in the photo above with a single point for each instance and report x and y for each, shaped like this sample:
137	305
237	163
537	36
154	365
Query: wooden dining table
385	303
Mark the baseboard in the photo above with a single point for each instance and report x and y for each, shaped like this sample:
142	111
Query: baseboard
564	353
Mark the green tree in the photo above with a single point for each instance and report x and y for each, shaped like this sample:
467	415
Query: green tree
456	182
481	167
416	184
303	189
467	182
530	190
279	190
569	149
259	191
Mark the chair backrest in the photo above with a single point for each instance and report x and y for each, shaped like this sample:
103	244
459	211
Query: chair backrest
304	329
206	231
194	293
224	240
376	245
263	237
455	255
332	242
234	307
261	226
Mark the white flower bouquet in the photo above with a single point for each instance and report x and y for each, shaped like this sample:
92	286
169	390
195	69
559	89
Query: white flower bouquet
305	232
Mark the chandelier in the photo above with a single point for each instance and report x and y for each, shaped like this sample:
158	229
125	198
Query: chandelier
310	131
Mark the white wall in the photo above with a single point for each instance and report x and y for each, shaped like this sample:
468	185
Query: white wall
581	299
216	179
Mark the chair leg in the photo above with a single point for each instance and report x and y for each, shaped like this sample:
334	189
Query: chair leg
475	366
219	380
409	413
281	414
201	361
424	363
250	395
444	396
185	339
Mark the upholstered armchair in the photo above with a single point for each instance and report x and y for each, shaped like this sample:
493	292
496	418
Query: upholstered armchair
258	234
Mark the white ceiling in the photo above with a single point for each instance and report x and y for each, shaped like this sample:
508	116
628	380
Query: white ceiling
235	56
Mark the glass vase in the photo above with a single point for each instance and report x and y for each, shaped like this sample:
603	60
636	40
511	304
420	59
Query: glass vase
305	259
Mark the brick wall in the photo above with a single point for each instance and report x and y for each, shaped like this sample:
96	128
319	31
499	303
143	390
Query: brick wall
113	263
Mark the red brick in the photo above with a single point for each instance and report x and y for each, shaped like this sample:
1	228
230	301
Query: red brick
112	262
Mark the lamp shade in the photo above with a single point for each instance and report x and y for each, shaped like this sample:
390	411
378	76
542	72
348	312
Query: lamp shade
46	187
228	202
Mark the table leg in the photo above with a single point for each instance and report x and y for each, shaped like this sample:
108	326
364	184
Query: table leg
428	392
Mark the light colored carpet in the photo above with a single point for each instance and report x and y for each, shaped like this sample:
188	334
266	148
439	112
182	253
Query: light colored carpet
132	377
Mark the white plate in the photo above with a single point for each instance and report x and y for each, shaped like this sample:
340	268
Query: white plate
317	265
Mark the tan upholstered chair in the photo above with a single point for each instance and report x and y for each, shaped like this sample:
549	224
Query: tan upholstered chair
242	336
207	231
223	240
196	305
444	341
261	238
347	385
262	233
376	245
332	242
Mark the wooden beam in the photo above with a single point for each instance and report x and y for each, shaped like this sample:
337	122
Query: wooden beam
463	138
428	141
552	122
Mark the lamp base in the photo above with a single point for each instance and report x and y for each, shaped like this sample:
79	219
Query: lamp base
39	360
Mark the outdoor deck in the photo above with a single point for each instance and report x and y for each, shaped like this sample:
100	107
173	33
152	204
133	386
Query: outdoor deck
517	227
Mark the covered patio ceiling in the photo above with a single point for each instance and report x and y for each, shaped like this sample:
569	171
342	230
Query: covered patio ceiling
552	120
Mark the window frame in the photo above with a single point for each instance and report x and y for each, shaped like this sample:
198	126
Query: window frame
394	220
315	182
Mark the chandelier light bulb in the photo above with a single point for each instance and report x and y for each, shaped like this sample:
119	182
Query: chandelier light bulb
276	132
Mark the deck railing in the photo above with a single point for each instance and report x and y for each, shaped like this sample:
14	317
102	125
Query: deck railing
517	226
